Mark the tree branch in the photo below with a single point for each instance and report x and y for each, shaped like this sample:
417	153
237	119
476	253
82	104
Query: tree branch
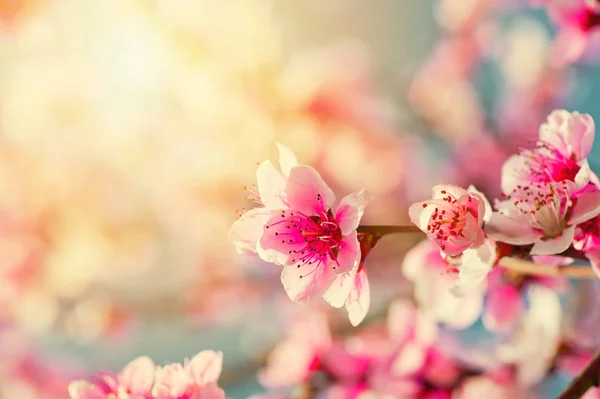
527	267
382	229
589	377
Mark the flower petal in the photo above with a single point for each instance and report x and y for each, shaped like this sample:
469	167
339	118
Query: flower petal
304	282
503	308
246	231
271	186
581	134
138	376
583	176
420	214
484	208
554	245
587	206
348	255
569	45
205	367
339	290
475	266
508	230
307	192
359	300
440	191
351	209
287	159
512	173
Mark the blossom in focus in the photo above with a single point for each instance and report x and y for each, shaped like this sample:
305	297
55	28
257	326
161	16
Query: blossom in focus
565	141
312	243
141	378
295	227
453	219
577	21
544	215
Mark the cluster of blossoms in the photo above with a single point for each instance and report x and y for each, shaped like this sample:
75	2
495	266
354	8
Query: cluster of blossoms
142	379
400	359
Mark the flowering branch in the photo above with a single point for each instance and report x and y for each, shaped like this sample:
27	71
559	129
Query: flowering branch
589	377
526	267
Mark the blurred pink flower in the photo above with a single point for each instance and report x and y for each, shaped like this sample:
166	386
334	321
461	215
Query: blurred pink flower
577	21
196	379
490	388
453	219
531	349
433	278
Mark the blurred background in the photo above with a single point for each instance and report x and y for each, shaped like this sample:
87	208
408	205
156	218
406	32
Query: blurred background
128	131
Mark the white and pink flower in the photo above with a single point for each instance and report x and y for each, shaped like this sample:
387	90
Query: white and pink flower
544	215
565	141
297	228
141	378
452	219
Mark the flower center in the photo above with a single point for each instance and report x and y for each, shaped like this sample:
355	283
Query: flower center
448	222
311	240
545	206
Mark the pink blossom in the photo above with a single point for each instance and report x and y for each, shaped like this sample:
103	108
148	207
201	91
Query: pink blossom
142	379
564	142
316	244
577	21
544	215
297	228
453	219
503	309
433	278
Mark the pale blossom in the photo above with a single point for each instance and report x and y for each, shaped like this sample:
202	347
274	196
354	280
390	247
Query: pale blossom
297	228
533	346
565	140
544	215
142	379
433	278
577	21
453	219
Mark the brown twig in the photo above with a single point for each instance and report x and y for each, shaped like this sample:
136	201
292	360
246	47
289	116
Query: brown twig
527	267
589	377
382	229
